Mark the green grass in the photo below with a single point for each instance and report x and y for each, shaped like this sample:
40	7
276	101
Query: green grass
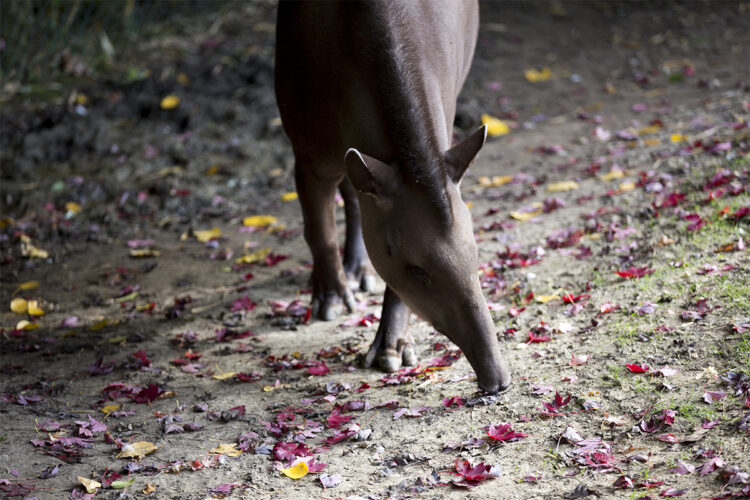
742	353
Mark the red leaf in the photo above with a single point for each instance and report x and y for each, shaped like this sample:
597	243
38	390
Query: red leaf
635	272
635	368
504	432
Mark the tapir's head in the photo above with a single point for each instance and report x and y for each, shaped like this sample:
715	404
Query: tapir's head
418	233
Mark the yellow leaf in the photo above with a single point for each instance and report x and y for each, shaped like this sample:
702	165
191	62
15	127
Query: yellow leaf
612	175
29	285
170	102
469	204
207	234
253	257
117	339
107	409
271	388
651	142
562	186
150	488
546	298
144	252
527	216
90	485
611	89
676	137
296	471
102	323
33	308
72	206
18	305
182	78
259	220
291	196
224	376
651	129
137	450
26	325
228	449
32	252
496	181
212	170
5	222
534	76
81	99
495	126
627	186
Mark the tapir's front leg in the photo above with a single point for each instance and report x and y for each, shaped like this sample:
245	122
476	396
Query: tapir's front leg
393	346
316	194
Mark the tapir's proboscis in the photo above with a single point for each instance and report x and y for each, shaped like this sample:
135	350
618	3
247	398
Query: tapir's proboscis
367	94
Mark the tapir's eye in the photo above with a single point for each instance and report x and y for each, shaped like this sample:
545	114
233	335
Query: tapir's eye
420	274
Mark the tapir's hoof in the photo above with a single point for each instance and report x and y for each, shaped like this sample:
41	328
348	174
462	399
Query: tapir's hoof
329	306
392	361
365	282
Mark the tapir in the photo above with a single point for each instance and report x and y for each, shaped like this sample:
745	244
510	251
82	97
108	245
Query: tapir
367	94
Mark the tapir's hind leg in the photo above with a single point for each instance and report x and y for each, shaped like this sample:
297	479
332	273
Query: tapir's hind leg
317	195
393	346
357	264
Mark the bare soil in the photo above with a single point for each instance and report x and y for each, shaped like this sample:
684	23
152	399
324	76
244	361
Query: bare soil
646	108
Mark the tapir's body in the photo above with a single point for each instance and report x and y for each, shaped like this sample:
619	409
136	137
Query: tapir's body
367	93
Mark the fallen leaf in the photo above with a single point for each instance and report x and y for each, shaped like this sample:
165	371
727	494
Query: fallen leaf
253	257
29	285
18	305
137	450
613	175
297	471
33	308
228	449
291	196
495	126
207	234
496	181
546	298
557	187
170	102
26	325
224	376
527	215
259	220
122	483
90	485
534	76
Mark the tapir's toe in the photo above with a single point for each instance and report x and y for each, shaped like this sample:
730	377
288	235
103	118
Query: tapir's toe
390	363
409	358
329	305
367	283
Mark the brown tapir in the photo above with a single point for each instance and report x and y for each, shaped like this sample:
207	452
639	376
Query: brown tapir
367	94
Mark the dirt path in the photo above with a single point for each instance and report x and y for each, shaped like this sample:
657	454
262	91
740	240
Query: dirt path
612	223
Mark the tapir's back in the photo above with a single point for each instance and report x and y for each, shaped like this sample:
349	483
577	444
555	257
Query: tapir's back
347	73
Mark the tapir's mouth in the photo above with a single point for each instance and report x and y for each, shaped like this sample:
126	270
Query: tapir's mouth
496	388
491	379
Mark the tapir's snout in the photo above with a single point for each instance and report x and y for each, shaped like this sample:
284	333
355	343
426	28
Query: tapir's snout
497	381
480	346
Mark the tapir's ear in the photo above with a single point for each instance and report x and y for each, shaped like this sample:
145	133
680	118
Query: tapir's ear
459	157
368	175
